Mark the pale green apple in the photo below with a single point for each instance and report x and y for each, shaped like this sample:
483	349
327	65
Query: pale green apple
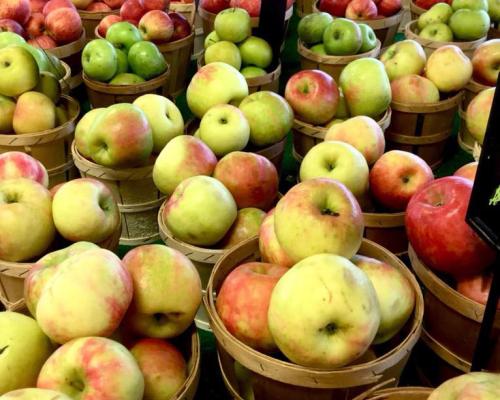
312	26
126	78
61	115
164	117
342	110
122	62
269	115
223	51
18	71
10	38
233	24
438	13
481	385
256	51
449	68
470	5
437	32
368	38
7	107
99	60
200	211
34	394
319	49
205	89
123	35
494	10
49	85
35	112
55	66
224	128
41	57
404	58
470	24
211	39
82	129
252	72
24	349
145	60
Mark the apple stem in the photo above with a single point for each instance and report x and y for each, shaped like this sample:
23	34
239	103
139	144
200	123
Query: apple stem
3	349
327	211
331	328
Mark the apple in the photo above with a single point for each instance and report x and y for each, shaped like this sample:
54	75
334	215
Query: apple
200	211
34	394
469	24
366	87
17	10
214	6
467	171
270	248
182	28
233	24
52	5
106	22
163	367
7	107
252	72
121	62
336	8
438	32
99	60
388	7
120	136
427	4
361	9
183	157
204	91
156	4
25	212
485	59
10	38
145	60
9	25
246	226
114	4
64	25
251	6
269	115
18	71
156	26
368	38
414	89
35	112
243	303
82	129
123	35
24	350
312	26
211	39
251	178
126	78
318	216
369	138
36	6
36	25
476	287
342	37
256	51
49	85
494	10
313	95
437	230
478	113
132	11
439	13
341	327
82	4
223	51
481	385
469	5
98	7
167	291
80	367
404	58
15	164
43	42
337	160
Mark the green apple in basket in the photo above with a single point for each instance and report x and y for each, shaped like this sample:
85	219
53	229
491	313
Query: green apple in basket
49	85
404	58
122	62
256	51
252	72
126	78
438	32
319	49
223	51
123	35
233	24
9	38
494	10
470	24
342	37
368	38
145	60
211	39
470	5
18	71
99	60
439	13
312	26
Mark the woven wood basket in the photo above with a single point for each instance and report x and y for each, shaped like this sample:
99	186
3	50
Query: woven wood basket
387	230
91	19
416	11
423	129
304	7
50	147
65	80
137	196
189	345
276	379
332	65
71	54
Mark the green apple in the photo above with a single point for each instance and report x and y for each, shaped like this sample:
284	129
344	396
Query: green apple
269	115
342	110
49	85
406	57
342	37
319	49
10	38
223	51
34	394
494	10
252	72
211	39
61	115
7	107
99	60
256	51
470	5
437	32
200	211
366	87
18	71
126	78
470	24
233	24
82	129
35	112
123	35
24	349
224	128
312	26
40	56
164	117
122	62
145	60
55	66
368	38
438	13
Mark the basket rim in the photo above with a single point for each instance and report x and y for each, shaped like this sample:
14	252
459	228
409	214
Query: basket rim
191	382
84	14
375	394
427	108
334	60
476	87
207	15
416	9
391	220
61	51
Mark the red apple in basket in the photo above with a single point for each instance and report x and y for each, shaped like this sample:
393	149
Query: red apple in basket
388	7
9	25
247	225
334	7
156	26
485	62
64	25
15	164
361	9
36	25
427	4
37	5
477	287
132	11
436	227
467	171
182	28
18	10
214	6
114	4
52	5
156	5
43	42
252	6
106	22
98	7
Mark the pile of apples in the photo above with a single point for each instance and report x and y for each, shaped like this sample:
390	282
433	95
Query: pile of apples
340	36
251	6
360	9
82	295
464	20
46	24
231	42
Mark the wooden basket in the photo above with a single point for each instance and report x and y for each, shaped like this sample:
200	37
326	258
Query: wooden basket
332	65
276	379
431	45
50	147
422	129
102	94
452	321
387	230
71	54
65	80
189	345
416	11
91	19
306	136
137	196
494	32
304	7
400	393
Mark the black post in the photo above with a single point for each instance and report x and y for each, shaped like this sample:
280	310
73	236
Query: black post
272	25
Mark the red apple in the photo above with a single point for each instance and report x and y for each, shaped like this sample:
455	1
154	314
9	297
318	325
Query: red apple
37	5
156	5
270	248
388	7
214	6
182	28
436	227
156	26
98	7
485	62
477	287
243	303
18	10
132	11
396	176
52	5
467	171
334	7
35	25
106	22
43	42
251	178
361	9
114	4
15	164
252	6
64	25
9	25
426	4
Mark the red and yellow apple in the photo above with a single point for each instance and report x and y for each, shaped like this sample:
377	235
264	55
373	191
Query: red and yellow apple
247	225
15	164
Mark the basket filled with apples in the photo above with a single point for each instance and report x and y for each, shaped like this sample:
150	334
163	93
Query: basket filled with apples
302	253
384	16
455	270
330	44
